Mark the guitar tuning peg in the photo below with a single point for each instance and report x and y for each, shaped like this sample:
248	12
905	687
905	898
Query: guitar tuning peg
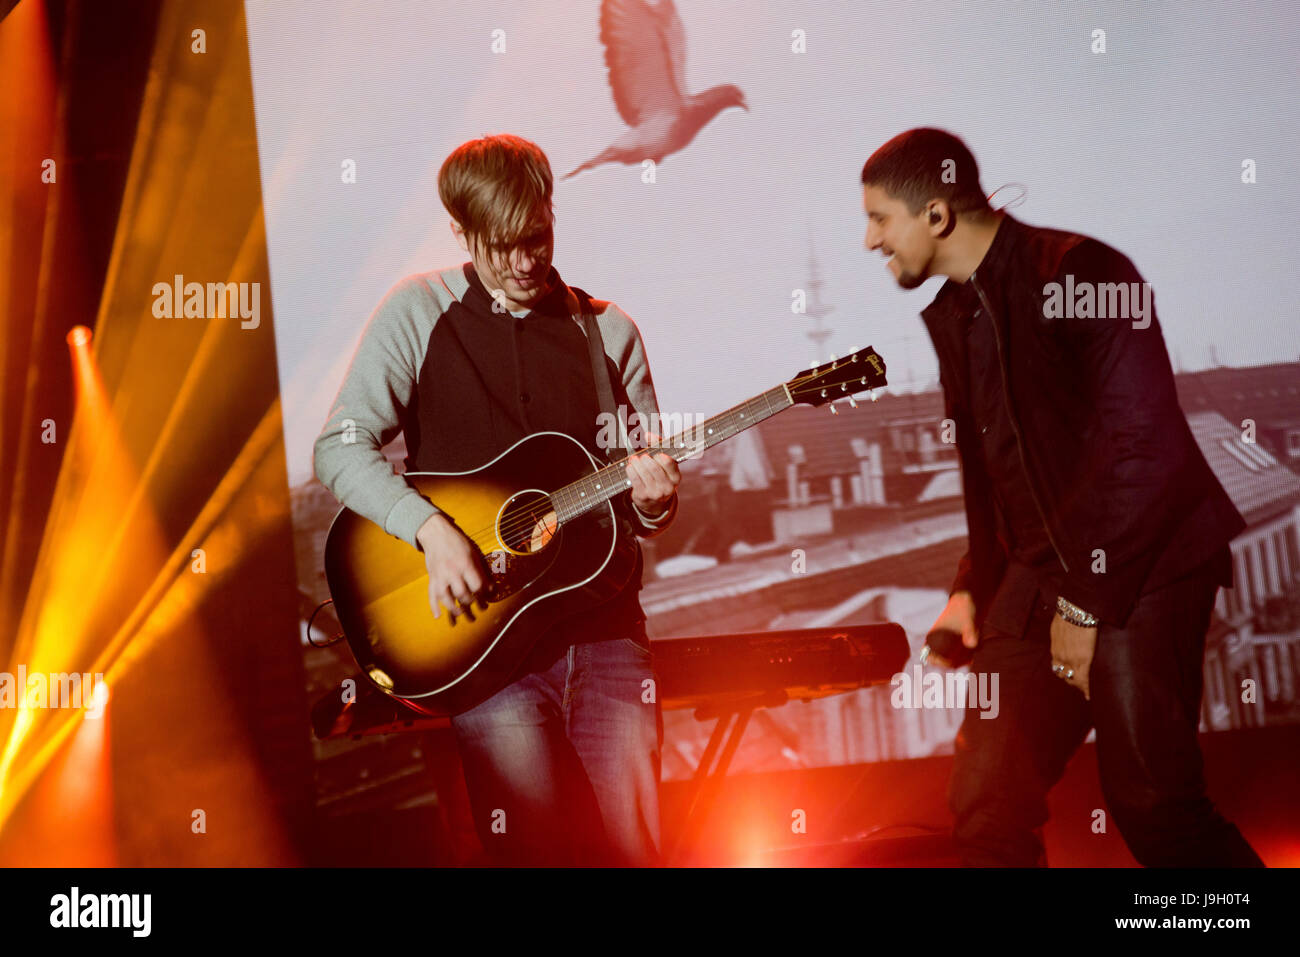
871	393
834	411
853	403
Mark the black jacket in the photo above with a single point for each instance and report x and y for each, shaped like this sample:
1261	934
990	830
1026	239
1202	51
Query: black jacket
1125	494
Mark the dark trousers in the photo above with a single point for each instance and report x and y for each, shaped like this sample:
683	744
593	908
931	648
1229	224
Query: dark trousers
1145	683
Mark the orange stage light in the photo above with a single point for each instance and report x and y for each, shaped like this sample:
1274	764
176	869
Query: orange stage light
79	336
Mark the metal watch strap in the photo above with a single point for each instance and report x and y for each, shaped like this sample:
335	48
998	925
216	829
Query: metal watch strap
1075	615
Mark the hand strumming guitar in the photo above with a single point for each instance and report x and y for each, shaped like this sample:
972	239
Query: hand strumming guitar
453	563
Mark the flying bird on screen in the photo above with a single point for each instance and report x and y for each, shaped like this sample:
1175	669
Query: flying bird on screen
645	51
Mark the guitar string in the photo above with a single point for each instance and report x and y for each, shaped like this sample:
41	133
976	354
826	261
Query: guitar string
532	516
530	520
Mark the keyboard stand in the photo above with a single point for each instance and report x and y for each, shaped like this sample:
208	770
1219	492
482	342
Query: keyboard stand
732	719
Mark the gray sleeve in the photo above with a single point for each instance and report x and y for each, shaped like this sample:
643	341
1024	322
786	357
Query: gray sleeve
623	344
367	414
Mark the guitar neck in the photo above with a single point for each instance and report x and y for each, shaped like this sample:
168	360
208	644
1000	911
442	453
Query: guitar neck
593	490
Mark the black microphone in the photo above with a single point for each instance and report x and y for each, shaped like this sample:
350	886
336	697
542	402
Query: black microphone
948	645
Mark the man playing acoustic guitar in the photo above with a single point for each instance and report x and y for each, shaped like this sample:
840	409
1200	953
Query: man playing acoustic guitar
562	765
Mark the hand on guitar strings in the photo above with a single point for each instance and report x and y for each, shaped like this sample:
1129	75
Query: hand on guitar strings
654	477
456	575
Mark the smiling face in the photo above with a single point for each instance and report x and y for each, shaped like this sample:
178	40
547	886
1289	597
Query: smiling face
905	239
520	273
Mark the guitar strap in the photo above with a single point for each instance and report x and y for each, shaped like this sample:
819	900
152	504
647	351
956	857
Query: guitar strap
605	395
600	372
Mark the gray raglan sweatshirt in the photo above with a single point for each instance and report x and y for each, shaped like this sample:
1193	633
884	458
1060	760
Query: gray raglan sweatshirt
381	386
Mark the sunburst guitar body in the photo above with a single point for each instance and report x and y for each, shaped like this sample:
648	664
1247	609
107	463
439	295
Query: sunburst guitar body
538	572
542	518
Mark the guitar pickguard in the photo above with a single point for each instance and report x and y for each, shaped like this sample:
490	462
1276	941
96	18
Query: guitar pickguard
509	573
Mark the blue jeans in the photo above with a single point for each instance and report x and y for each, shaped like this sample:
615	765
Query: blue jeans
562	766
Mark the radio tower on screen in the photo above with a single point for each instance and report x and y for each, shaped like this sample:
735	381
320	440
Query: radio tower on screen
816	307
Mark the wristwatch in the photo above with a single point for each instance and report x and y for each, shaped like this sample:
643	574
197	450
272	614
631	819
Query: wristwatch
1075	615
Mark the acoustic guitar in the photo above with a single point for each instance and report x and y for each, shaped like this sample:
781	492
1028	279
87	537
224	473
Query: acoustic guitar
542	518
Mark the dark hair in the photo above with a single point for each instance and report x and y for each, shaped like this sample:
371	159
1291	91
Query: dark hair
925	164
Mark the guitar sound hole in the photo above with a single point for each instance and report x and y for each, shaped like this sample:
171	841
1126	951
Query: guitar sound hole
527	523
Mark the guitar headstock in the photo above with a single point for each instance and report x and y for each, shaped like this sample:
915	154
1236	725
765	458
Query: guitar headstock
839	379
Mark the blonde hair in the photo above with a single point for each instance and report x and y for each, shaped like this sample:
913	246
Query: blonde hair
495	187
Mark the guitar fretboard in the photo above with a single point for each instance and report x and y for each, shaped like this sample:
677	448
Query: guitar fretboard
585	494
